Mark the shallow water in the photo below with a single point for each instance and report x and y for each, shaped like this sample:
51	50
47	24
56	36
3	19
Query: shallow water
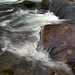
16	1
21	34
25	27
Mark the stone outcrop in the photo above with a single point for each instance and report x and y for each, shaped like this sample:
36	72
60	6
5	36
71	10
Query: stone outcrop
60	38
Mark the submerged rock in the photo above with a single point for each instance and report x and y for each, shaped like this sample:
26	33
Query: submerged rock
59	40
63	8
46	4
29	4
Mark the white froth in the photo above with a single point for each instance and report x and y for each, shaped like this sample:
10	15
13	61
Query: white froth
30	23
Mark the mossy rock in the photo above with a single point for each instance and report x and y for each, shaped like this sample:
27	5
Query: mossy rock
28	4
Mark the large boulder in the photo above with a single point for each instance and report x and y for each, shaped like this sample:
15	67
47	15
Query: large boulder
60	38
59	41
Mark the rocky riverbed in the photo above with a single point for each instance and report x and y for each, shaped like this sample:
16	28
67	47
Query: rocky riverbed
58	40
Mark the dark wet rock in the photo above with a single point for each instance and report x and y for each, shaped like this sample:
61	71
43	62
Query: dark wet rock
59	41
45	4
60	38
63	8
57	4
59	35
12	64
73	67
29	4
8	71
24	5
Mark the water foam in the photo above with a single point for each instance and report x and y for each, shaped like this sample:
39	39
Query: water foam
28	22
25	28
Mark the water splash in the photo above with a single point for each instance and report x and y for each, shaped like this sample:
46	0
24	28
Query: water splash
22	35
26	25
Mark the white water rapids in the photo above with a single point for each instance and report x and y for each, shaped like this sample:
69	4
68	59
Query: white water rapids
22	35
16	1
25	27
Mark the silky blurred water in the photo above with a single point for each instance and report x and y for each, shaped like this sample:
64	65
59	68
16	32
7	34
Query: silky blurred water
25	27
16	1
21	34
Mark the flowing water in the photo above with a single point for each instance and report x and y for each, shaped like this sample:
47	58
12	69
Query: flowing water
16	1
21	34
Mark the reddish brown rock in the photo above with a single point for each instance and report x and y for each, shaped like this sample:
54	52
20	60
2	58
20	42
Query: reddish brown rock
59	35
61	39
